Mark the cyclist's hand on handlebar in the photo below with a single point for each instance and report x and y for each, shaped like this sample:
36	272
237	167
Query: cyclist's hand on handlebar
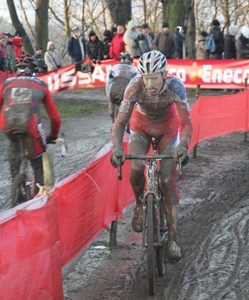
50	139
181	154
117	157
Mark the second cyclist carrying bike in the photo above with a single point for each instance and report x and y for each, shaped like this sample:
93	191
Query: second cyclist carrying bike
20	100
157	104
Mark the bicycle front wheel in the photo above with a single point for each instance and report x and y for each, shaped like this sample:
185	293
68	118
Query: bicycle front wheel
20	191
151	255
160	252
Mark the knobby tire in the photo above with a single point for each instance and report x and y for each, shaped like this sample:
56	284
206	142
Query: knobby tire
20	192
151	248
160	252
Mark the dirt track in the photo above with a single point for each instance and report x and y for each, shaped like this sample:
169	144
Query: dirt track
213	221
213	234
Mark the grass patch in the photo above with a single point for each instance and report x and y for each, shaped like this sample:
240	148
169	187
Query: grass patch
70	109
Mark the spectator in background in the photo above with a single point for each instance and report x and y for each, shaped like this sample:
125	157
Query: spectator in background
3	44
229	43
201	52
130	39
242	44
18	43
218	39
145	40
180	43
139	28
94	48
2	61
12	60
164	42
4	64
39	57
117	44
114	30
76	46
107	38
52	57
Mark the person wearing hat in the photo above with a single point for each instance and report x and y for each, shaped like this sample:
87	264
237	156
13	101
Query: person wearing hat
130	38
52	57
76	46
218	39
229	42
3	56
242	44
10	51
107	38
94	48
39	57
18	43
164	41
145	40
201	52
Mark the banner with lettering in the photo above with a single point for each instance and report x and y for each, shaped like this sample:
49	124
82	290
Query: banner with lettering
210	74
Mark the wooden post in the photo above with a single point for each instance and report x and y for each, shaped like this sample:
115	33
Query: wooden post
184	50
197	96
245	88
48	168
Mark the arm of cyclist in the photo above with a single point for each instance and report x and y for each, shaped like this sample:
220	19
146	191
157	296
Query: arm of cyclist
181	151
55	121
126	108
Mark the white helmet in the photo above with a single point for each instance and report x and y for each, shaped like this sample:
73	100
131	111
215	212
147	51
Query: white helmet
151	63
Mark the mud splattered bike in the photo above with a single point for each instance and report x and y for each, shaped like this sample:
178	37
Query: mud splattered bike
23	187
154	228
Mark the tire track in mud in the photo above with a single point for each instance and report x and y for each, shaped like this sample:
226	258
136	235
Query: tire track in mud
216	265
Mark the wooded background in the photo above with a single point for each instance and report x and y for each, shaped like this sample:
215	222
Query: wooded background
44	20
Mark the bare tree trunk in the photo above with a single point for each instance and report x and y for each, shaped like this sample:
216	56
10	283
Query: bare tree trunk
145	12
18	26
181	13
41	23
66	18
120	11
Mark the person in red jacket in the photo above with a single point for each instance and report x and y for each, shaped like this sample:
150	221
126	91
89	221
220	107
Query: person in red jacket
117	44
20	99
18	43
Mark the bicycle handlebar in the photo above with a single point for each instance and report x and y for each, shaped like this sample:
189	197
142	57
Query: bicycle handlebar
149	157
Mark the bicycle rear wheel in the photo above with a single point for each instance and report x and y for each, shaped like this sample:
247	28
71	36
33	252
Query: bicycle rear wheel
160	252
151	255
20	191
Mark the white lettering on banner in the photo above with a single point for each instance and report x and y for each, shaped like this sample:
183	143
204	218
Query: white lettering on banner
181	73
84	78
53	82
98	74
68	80
227	76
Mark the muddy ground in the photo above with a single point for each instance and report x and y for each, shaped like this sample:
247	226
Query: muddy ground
213	220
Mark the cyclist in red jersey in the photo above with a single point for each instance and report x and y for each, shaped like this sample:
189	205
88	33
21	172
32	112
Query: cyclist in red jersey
20	99
157	104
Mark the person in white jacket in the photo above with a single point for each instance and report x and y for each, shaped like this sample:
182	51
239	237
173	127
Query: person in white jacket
130	38
52	57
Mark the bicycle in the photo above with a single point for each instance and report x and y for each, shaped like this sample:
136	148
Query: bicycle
154	228
23	187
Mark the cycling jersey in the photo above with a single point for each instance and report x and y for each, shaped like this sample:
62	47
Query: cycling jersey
162	115
20	99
